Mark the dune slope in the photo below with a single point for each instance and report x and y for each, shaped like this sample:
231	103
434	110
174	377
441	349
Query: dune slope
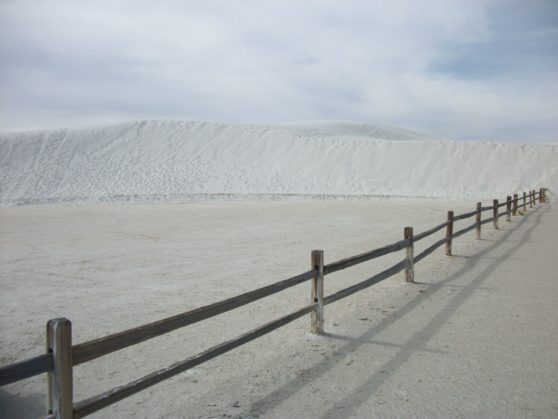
176	160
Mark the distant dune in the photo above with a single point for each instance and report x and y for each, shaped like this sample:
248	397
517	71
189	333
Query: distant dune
179	160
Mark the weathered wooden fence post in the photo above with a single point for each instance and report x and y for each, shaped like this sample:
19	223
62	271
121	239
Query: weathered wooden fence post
449	233
410	269
508	208
541	195
544	194
60	381
530	199
534	197
317	294
495	213
524	201
479	215
514	204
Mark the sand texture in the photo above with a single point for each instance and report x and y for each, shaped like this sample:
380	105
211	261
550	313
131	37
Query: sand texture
476	336
176	161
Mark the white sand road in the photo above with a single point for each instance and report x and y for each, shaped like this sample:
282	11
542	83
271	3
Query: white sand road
476	336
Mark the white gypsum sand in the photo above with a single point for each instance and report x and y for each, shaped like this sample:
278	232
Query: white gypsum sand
178	160
447	346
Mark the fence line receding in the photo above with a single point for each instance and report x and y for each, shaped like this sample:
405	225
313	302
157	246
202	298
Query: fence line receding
61	356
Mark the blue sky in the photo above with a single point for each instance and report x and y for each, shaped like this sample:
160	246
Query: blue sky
481	70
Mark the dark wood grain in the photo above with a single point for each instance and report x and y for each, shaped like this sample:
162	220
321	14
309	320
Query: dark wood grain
427	233
464	216
317	292
60	378
355	260
478	220
449	233
367	283
410	268
25	369
430	249
464	230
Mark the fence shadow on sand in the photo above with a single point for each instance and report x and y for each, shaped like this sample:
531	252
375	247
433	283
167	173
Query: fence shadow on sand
417	342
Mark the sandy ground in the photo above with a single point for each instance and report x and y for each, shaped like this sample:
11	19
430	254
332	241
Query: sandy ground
475	337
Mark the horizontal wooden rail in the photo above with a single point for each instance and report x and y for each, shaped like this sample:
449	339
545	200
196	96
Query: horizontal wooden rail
488	220
355	260
463	216
503	204
430	249
93	404
429	232
25	369
366	283
486	208
464	230
93	349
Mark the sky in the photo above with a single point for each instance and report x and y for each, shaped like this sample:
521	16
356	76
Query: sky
471	70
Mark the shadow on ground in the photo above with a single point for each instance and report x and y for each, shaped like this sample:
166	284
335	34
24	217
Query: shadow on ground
18	407
348	404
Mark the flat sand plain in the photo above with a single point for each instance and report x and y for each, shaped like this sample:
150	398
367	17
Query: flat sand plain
476	336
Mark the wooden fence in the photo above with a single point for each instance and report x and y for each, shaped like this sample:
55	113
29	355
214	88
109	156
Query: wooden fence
61	356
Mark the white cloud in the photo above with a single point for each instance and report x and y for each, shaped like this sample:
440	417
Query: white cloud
436	66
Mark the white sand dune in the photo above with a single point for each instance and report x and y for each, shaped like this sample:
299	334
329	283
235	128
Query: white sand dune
446	346
174	161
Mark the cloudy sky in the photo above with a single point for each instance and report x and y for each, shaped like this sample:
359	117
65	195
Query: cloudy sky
475	69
